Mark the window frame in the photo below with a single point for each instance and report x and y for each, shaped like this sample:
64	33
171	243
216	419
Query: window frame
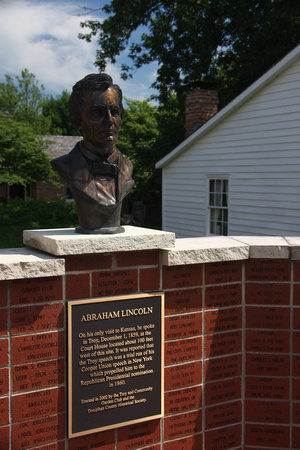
222	178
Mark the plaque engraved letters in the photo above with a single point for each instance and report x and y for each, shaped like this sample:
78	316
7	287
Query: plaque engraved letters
115	361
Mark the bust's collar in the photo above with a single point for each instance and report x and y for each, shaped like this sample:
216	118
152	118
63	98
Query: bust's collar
112	158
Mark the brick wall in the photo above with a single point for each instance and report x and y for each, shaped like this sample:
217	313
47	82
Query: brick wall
48	192
200	105
232	353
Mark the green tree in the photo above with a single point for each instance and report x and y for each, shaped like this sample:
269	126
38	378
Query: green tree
147	134
22	160
23	98
224	41
57	108
137	140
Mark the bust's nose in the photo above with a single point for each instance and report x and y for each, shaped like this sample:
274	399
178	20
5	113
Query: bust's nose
108	117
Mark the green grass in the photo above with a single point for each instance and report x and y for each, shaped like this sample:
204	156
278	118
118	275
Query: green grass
19	215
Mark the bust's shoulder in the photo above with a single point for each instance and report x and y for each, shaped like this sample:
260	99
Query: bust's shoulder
123	161
65	161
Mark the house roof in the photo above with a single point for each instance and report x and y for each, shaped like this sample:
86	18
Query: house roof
250	92
60	145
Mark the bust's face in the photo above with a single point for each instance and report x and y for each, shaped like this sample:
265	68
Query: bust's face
100	120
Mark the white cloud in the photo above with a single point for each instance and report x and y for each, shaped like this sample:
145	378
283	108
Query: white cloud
42	37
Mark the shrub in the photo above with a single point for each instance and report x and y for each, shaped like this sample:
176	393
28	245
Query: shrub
19	215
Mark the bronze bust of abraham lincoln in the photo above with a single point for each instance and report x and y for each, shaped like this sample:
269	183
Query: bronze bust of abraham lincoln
97	173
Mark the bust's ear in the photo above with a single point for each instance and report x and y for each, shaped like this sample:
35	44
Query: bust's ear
78	125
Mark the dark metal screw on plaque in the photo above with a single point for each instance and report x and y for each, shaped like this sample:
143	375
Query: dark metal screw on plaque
97	173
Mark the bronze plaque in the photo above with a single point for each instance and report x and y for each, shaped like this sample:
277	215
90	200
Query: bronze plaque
115	361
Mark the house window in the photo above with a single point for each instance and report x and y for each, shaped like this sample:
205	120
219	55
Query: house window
218	207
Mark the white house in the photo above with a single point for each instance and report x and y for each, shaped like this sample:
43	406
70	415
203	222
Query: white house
239	173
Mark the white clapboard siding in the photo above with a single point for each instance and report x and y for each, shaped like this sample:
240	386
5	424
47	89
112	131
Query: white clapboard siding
257	146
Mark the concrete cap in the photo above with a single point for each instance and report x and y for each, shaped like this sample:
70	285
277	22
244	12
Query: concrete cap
19	263
66	242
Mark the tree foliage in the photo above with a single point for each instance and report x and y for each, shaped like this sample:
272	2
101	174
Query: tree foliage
137	139
22	160
57	109
146	135
227	42
22	96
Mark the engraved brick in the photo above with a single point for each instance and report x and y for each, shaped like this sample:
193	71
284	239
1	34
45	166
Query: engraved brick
4	437
255	448
296	366
3	293
296	320
297	271
182	276
149	279
267	341
276	436
267	388
271	411
38	375
268	365
3	322
296	389
220	296
137	258
296	413
118	282
4	381
182	424
38	431
104	440
268	270
223	391
77	286
182	326
33	318
88	262
183	400
4	410
223	438
183	301
139	435
223	272
226	319
295	437
36	290
219	344
37	404
221	368
183	375
36	347
223	415
188	443
3	352
53	446
296	295
183	350
267	294
267	317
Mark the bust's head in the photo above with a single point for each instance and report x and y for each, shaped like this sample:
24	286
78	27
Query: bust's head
96	110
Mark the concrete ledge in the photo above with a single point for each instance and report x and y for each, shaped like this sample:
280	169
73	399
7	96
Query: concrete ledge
294	243
269	247
223	248
204	250
19	263
66	242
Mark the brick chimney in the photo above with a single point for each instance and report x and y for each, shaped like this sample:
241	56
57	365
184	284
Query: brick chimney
200	105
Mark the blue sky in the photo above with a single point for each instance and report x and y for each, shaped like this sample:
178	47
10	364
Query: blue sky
41	35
